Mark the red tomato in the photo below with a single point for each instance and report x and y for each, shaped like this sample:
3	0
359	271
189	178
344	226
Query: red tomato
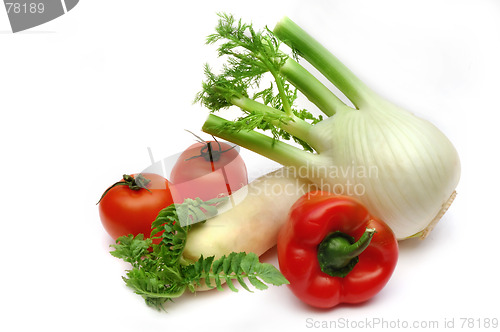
131	210
208	170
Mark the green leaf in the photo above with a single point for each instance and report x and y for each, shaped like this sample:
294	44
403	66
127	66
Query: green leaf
230	284
217	265
236	262
198	266
270	274
216	270
248	262
158	275
257	283
226	263
218	283
240	266
171	274
239	277
207	266
250	55
131	249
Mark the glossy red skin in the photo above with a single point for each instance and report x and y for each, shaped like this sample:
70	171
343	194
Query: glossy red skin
124	211
198	177
313	217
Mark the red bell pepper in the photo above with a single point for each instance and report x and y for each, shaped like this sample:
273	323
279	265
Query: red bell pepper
333	251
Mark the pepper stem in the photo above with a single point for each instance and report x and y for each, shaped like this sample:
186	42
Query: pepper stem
338	252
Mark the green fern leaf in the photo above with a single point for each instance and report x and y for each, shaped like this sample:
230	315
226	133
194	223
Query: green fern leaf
242	283
226	263
257	283
157	273
270	274
229	283
248	263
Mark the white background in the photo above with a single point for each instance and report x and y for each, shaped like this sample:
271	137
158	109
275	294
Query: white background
84	96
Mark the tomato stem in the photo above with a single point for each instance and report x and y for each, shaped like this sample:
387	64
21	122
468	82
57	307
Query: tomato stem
207	151
338	252
137	183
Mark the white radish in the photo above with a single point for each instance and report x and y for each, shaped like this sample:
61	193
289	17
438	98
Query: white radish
250	220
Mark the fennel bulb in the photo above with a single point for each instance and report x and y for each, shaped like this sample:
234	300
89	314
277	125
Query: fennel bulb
402	167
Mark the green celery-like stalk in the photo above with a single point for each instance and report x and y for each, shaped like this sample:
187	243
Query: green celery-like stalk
324	61
291	124
251	54
278	151
312	88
